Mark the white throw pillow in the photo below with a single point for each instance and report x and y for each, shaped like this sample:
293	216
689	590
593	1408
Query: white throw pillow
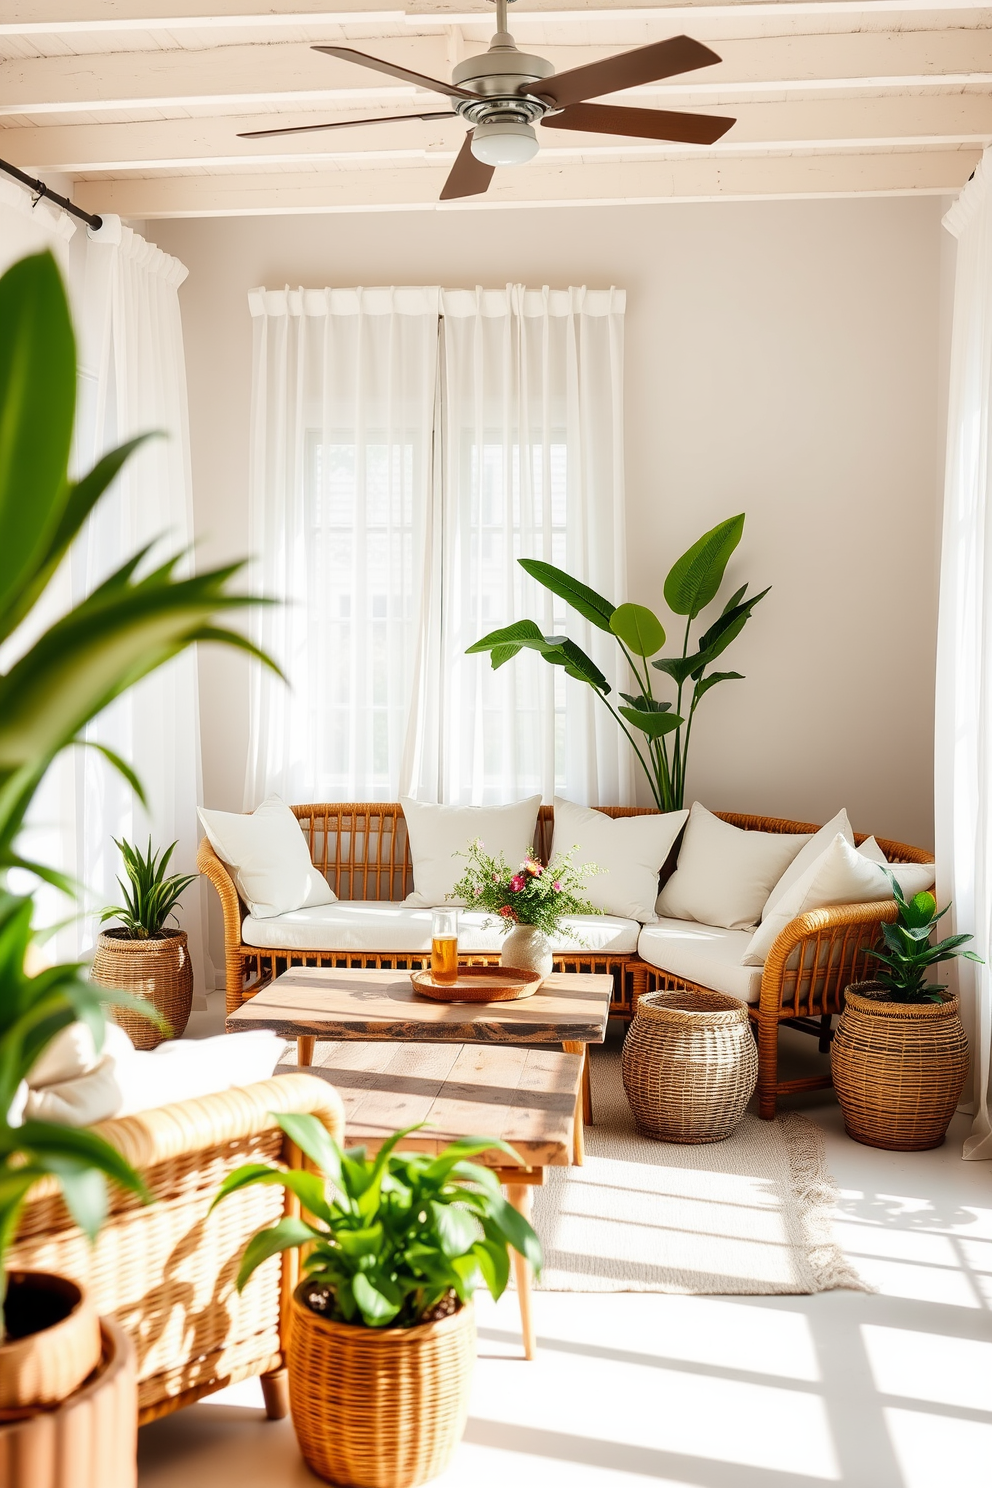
631	851
841	875
724	874
127	1080
438	833
268	855
807	855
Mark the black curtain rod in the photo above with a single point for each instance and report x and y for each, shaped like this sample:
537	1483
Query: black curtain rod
40	189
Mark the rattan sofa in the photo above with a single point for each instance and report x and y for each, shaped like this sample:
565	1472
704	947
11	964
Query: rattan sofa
166	1271
363	851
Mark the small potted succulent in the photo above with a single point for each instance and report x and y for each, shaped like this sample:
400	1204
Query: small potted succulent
381	1330
900	1053
530	902
143	954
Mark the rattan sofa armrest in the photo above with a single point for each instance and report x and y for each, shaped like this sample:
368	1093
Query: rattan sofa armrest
816	924
210	865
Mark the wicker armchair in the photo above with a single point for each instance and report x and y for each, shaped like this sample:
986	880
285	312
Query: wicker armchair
166	1271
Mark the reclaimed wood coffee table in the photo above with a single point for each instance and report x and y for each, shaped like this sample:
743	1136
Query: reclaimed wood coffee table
524	1096
326	1002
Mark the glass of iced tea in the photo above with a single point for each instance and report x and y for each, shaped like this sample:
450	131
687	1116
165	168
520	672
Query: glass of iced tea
444	946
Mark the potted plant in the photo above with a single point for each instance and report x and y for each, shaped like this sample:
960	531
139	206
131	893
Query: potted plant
382	1332
900	1053
530	901
56	683
143	954
691	586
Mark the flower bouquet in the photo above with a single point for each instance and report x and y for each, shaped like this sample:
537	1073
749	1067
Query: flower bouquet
530	901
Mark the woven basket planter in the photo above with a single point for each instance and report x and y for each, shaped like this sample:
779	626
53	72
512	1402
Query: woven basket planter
378	1407
90	1440
157	969
689	1065
899	1069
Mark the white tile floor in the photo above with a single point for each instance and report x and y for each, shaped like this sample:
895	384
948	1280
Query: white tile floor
891	1390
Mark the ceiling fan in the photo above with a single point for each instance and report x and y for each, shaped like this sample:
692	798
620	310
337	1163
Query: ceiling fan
504	92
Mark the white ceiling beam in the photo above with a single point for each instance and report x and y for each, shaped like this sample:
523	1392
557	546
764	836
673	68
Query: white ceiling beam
931	172
181	144
73	17
286	72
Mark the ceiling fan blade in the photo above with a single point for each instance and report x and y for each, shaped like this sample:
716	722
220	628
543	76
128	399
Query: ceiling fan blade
647	64
343	124
659	124
348	54
468	176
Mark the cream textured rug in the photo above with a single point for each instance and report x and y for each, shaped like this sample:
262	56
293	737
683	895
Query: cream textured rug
747	1216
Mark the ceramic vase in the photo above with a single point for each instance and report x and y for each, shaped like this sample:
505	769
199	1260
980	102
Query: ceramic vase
527	949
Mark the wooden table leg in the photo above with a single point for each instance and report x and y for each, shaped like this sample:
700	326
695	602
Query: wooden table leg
579	1149
519	1196
275	1394
304	1050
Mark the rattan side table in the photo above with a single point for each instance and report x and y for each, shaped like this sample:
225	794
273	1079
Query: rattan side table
689	1065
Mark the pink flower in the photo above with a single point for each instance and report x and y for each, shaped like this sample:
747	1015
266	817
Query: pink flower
507	913
557	885
517	882
533	868
495	878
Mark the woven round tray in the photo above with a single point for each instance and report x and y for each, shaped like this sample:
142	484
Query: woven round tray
689	1065
478	984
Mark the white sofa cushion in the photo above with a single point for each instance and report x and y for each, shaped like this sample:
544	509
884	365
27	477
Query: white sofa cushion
126	1080
376	925
439	833
707	954
631	851
841	875
807	856
268	855
724	874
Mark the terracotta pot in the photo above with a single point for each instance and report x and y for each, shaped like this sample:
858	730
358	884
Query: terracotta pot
157	969
52	1342
527	949
378	1407
898	1068
91	1439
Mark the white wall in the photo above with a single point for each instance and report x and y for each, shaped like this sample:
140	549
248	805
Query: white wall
783	358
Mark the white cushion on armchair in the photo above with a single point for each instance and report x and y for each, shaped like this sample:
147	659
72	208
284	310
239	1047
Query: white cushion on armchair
268	855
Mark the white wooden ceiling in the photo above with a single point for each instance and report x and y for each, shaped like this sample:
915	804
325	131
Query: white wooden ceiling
140	101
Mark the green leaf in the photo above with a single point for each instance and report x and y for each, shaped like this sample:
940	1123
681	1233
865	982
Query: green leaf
577	664
652	724
313	1138
703	686
120	765
494	1263
515	1229
695	577
724	630
308	1187
679	668
354	1243
645	703
590	605
85	1193
37	402
375	1307
286	1235
455	1228
639	628
57	1143
515	635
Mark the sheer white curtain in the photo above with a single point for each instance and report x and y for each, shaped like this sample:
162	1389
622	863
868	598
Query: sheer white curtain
390	502
963	784
124	296
531	466
340	499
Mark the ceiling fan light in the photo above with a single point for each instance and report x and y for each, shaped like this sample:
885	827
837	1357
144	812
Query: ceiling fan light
504	142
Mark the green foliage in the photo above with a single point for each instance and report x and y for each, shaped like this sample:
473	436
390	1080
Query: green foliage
658	731
129	625
909	954
122	631
528	895
391	1237
33	1009
151	897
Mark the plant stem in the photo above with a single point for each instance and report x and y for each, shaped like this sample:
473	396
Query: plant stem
653	779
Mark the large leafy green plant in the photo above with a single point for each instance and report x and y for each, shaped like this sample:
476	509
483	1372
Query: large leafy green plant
150	897
909	955
131	624
391	1240
659	729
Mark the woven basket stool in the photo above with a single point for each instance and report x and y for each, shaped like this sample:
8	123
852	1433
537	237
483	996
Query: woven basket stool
689	1065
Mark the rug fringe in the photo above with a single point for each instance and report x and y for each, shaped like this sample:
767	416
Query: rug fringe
816	1195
